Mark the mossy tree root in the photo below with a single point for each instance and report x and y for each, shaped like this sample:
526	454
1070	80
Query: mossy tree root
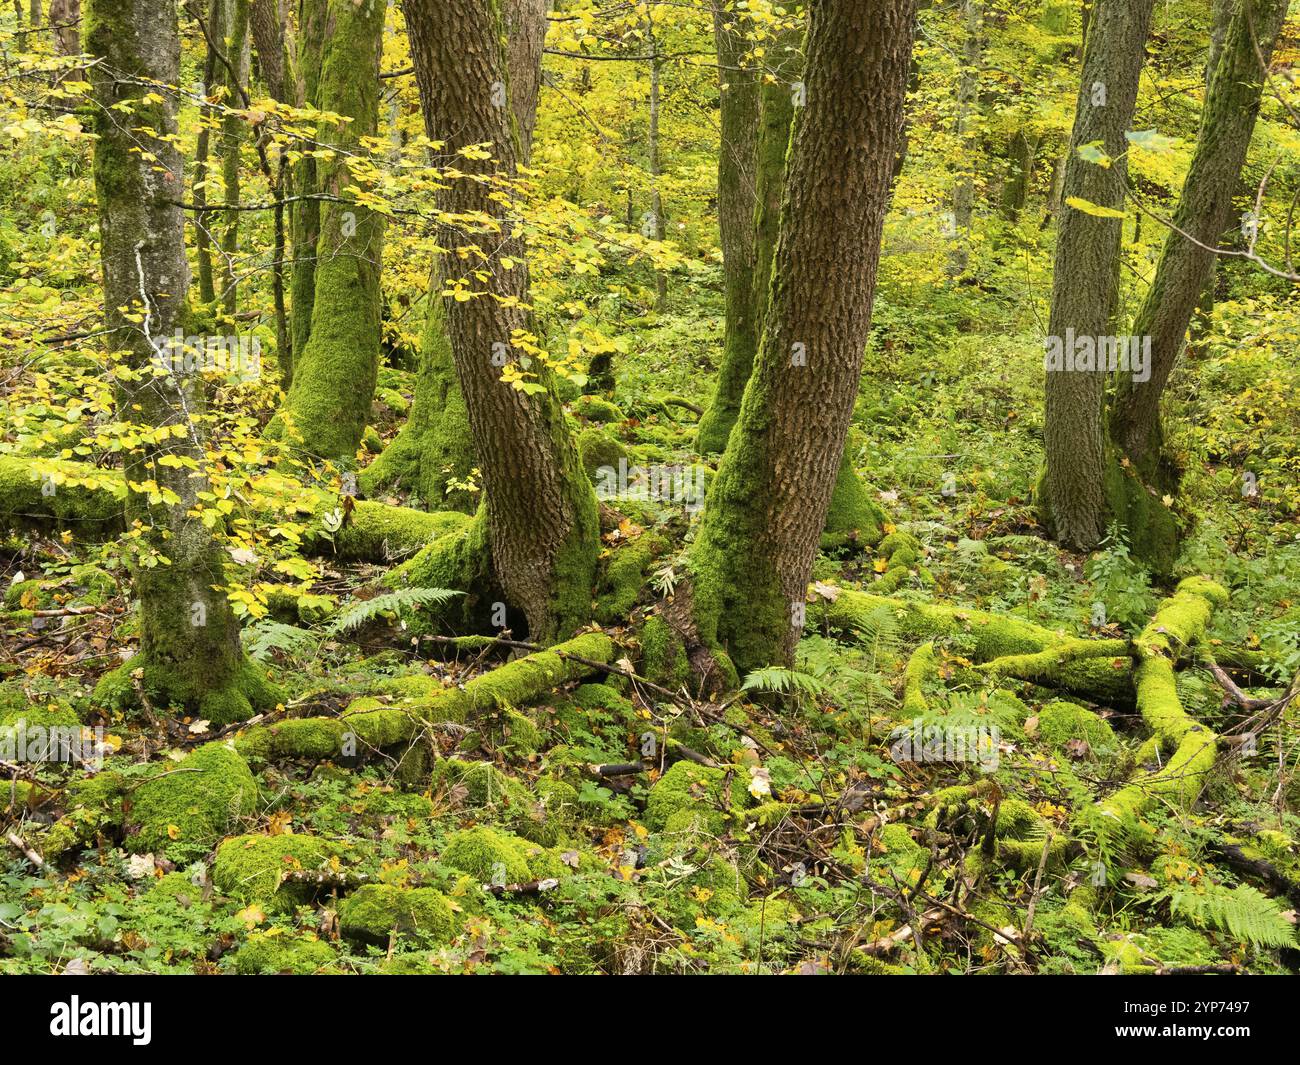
1177	626
368	725
1007	644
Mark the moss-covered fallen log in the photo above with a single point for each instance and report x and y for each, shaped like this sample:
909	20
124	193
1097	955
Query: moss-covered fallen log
1188	746
370	725
1007	647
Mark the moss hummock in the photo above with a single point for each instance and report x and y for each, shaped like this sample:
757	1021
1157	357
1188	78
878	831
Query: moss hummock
187	806
373	912
254	868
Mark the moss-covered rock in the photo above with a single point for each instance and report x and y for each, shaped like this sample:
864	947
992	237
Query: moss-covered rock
373	912
1061	722
493	856
595	409
276	951
256	868
716	795
183	810
598	447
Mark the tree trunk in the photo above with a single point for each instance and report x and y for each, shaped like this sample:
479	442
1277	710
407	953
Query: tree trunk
1085	284
752	558
189	638
658	228
963	195
540	507
525	23
267	28
1204	209
737	177
65	21
304	218
234	73
434	451
334	372
202	153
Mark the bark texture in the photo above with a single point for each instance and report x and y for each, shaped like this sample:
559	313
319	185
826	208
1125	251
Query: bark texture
540	507
739	102
1203	213
334	372
1085	281
753	556
189	638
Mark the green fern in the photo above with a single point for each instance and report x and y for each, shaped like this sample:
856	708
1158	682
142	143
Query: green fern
1243	912
267	637
392	603
783	682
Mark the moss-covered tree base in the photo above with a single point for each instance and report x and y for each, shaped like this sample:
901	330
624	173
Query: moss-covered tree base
248	692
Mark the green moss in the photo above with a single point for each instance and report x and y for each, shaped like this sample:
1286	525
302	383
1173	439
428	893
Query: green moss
276	951
491	855
717	795
595	409
623	578
597	448
291	605
853	517
254	868
248	691
373	912
663	658
85	500
1060	722
460	560
183	810
335	371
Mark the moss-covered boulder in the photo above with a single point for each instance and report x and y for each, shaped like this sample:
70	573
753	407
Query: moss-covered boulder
687	792
1064	724
595	409
276	951
373	912
492	856
598	447
260	868
186	807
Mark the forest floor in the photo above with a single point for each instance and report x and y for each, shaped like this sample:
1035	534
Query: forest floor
588	811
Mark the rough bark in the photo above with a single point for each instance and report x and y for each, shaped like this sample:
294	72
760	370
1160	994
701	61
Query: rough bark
304	217
434	451
334	372
202	167
189	638
540	506
1186	262
751	561
525	25
1085	283
963	195
268	40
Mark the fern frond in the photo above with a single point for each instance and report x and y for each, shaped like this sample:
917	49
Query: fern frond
391	603
1243	912
783	682
267	637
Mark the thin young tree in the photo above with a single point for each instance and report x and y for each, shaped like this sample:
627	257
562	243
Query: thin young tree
190	651
1085	284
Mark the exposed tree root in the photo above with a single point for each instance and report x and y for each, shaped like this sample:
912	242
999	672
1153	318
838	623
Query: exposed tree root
369	724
